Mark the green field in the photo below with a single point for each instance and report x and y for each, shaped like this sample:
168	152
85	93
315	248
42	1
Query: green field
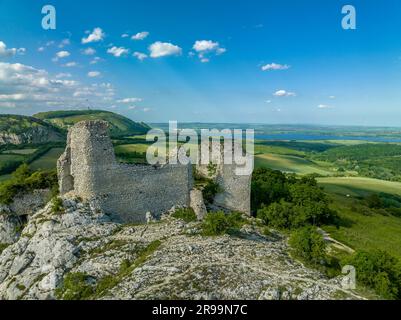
363	230
358	186
20	151
292	164
48	161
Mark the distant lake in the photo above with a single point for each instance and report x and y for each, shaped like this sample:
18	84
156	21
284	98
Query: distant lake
301	136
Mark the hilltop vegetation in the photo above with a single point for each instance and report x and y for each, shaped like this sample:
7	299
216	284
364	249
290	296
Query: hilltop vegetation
119	125
17	124
381	160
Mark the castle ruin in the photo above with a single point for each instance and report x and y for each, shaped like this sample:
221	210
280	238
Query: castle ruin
88	169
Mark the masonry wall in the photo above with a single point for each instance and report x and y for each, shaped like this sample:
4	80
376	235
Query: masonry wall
88	169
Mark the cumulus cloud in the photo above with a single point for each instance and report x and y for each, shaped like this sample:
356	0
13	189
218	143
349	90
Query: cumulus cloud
162	49
41	49
140	35
25	86
62	54
5	52
284	93
206	47
129	100
96	35
89	51
93	74
125	35
140	56
118	51
275	66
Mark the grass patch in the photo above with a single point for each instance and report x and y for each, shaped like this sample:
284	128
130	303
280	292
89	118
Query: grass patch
48	161
219	223
186	214
3	246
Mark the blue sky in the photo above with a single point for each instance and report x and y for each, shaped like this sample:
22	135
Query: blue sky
202	60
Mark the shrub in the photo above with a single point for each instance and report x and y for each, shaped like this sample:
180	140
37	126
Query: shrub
210	191
75	286
25	181
267	186
378	270
186	214
308	244
218	223
277	215
57	205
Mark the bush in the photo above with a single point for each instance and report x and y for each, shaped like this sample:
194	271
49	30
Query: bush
268	186
218	223
277	215
25	181
210	191
378	270
75	286
57	205
186	214
308	244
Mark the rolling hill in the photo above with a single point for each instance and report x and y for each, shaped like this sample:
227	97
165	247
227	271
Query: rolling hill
119	125
17	129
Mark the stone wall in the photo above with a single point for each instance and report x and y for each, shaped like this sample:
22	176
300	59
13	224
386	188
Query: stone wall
88	169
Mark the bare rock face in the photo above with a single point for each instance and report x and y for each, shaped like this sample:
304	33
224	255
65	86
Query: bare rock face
181	263
197	203
33	135
29	203
8	228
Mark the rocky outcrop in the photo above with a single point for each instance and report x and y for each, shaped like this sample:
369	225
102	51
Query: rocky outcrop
197	203
30	202
33	135
183	265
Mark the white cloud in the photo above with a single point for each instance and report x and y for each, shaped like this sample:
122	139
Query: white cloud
89	51
332	97
96	35
93	74
62	54
64	42
275	66
4	52
118	51
41	49
70	64
63	75
284	93
95	60
140	56
324	106
205	47
129	100
146	109
131	107
162	49
24	86
140	35
125	35
268	101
